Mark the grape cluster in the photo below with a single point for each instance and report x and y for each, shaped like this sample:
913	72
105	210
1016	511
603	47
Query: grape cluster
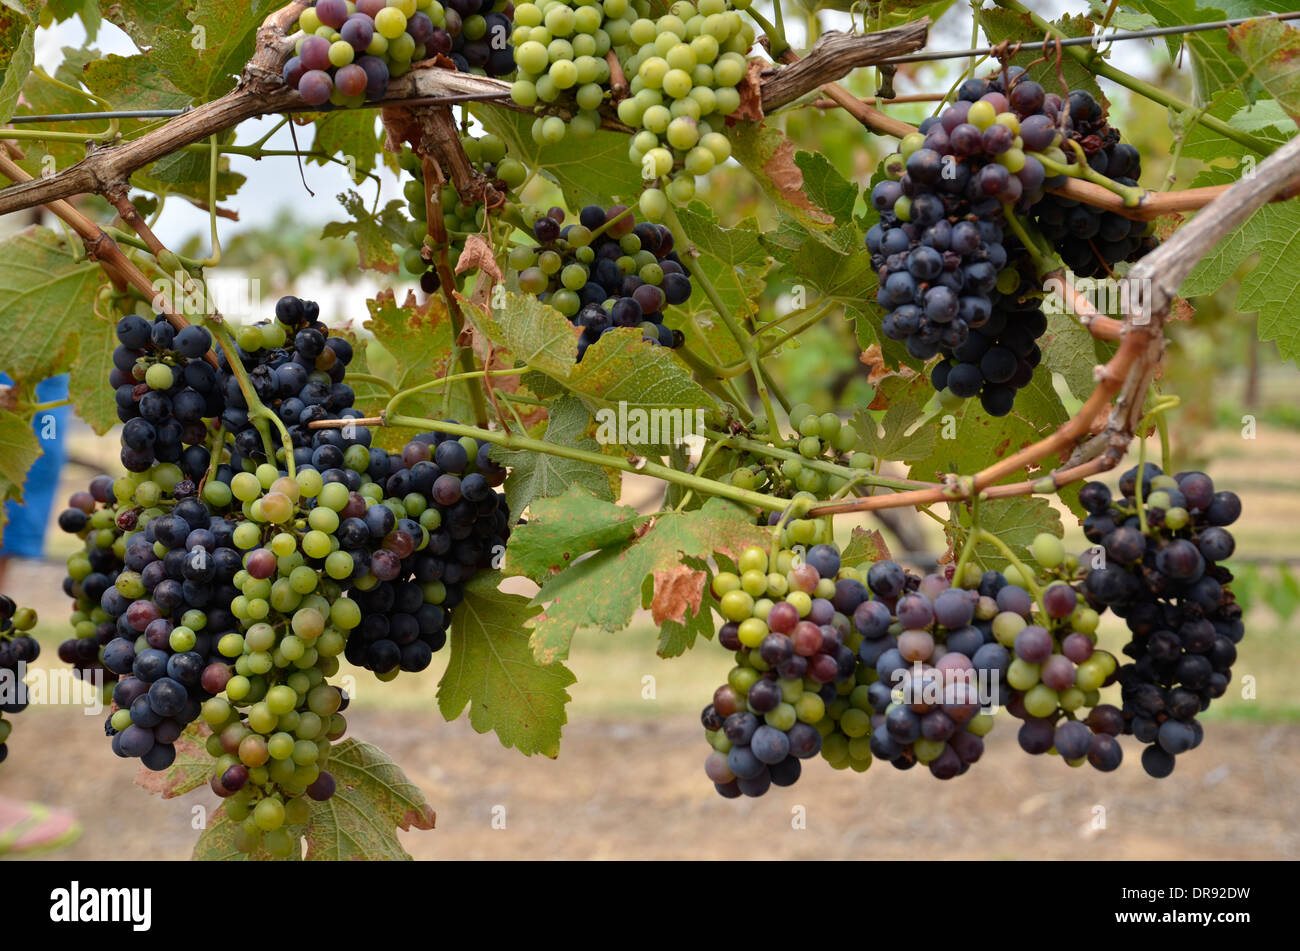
17	647
818	438
345	52
603	272
560	49
794	659
1054	669
952	281
1169	585
931	647
230	590
164	391
683	70
487	154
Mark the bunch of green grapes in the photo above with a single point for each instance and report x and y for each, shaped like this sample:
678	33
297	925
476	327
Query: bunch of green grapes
487	153
682	79
559	49
823	438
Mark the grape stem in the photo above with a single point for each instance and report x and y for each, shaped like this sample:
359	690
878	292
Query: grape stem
1025	574
258	413
454	378
819	465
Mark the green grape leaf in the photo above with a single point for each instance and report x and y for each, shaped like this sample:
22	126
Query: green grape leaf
191	769
130	79
143	19
969	439
373	799
19	448
540	475
889	438
1272	287
896	13
1016	521
374	235
17	56
563	528
187	173
1214	67
1122	18
493	671
536	334
1271	50
866	547
95	400
351	134
771	158
621	367
734	261
1000	25
826	187
604	590
46	304
1068	349
418	337
204	56
1284	594
1265	120
541	385
588	171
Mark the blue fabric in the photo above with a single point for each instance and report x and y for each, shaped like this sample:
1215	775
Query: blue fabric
24	535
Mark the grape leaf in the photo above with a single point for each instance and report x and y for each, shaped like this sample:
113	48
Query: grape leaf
494	673
970	439
418	336
866	547
19	448
734	261
1214	67
1265	120
677	635
46	302
1270	50
881	16
622	367
1016	521
771	158
604	590
826	186
540	475
142	19
130	79
372	801
17	55
1122	18
535	333
1272	286
191	769
375	235
889	439
204	57
1068	349
1000	25
351	134
561	529
588	171
96	402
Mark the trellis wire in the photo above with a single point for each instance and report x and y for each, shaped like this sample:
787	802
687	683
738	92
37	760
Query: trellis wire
921	57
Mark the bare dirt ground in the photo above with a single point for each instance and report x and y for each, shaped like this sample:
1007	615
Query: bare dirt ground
635	790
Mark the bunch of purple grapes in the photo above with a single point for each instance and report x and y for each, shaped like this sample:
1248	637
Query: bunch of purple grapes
604	272
1173	592
346	58
17	648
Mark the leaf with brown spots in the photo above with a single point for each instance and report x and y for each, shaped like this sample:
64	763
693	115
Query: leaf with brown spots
866	547
751	93
478	254
565	527
677	589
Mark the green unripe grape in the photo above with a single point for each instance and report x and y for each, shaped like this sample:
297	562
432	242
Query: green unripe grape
1006	625
341	53
390	23
574	276
280	746
782	716
801	601
718	144
656	119
269	813
653	204
1013	160
981	115
1047	550
855	722
677	83
809	708
1040	700
230	645
159	377
683	133
1022	675
927	750
121	719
